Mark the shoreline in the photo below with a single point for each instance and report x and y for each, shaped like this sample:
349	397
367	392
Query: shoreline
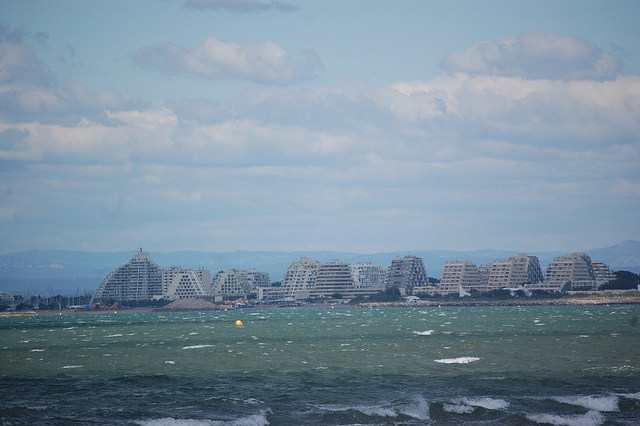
565	301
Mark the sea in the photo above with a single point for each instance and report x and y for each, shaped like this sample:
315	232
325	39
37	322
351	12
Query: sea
508	365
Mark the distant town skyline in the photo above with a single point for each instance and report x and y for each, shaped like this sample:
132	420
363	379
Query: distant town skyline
357	126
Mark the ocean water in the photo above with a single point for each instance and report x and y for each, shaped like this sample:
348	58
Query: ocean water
558	365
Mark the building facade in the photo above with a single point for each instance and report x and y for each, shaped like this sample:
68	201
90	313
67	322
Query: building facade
300	279
179	283
602	272
335	278
140	279
574	270
515	271
369	276
406	274
460	276
231	282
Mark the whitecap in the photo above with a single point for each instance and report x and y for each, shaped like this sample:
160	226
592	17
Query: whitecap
599	403
114	335
418	410
198	347
253	420
632	395
377	411
488	403
37	350
169	362
73	366
424	333
592	418
460	360
457	408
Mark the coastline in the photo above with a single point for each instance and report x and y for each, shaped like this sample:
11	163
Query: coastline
565	301
592	300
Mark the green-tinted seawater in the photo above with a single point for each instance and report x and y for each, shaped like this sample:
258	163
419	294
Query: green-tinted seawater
326	366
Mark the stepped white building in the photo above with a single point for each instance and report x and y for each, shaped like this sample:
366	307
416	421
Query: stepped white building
602	272
300	279
179	283
460	276
570	273
514	271
140	279
406	274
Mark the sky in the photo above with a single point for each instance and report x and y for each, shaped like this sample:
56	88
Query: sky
358	126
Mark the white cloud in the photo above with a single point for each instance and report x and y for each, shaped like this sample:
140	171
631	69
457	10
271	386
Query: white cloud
264	63
535	56
18	62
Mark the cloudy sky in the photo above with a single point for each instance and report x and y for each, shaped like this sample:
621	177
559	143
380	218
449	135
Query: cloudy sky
362	126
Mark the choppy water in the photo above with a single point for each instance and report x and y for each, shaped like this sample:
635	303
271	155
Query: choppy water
558	365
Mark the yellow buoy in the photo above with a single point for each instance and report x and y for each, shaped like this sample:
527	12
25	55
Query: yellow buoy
239	323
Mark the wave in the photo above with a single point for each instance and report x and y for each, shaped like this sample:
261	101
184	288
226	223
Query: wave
418	409
458	408
424	333
460	360
487	403
198	346
253	420
592	418
598	403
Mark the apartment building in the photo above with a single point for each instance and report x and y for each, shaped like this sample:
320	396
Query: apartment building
406	274
139	279
459	276
300	278
514	271
571	272
180	283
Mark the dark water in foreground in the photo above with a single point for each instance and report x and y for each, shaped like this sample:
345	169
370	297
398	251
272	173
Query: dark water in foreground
560	365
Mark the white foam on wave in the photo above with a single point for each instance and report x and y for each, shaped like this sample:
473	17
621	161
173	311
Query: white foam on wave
458	408
253	420
37	350
488	403
599	403
424	333
114	335
73	366
592	418
459	360
632	395
418	409
377	411
198	346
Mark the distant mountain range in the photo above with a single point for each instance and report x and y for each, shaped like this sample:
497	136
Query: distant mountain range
50	272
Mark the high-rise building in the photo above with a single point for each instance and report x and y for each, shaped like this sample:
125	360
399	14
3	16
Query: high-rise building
512	272
336	278
258	279
407	273
231	282
180	283
459	276
571	272
367	275
140	279
300	279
